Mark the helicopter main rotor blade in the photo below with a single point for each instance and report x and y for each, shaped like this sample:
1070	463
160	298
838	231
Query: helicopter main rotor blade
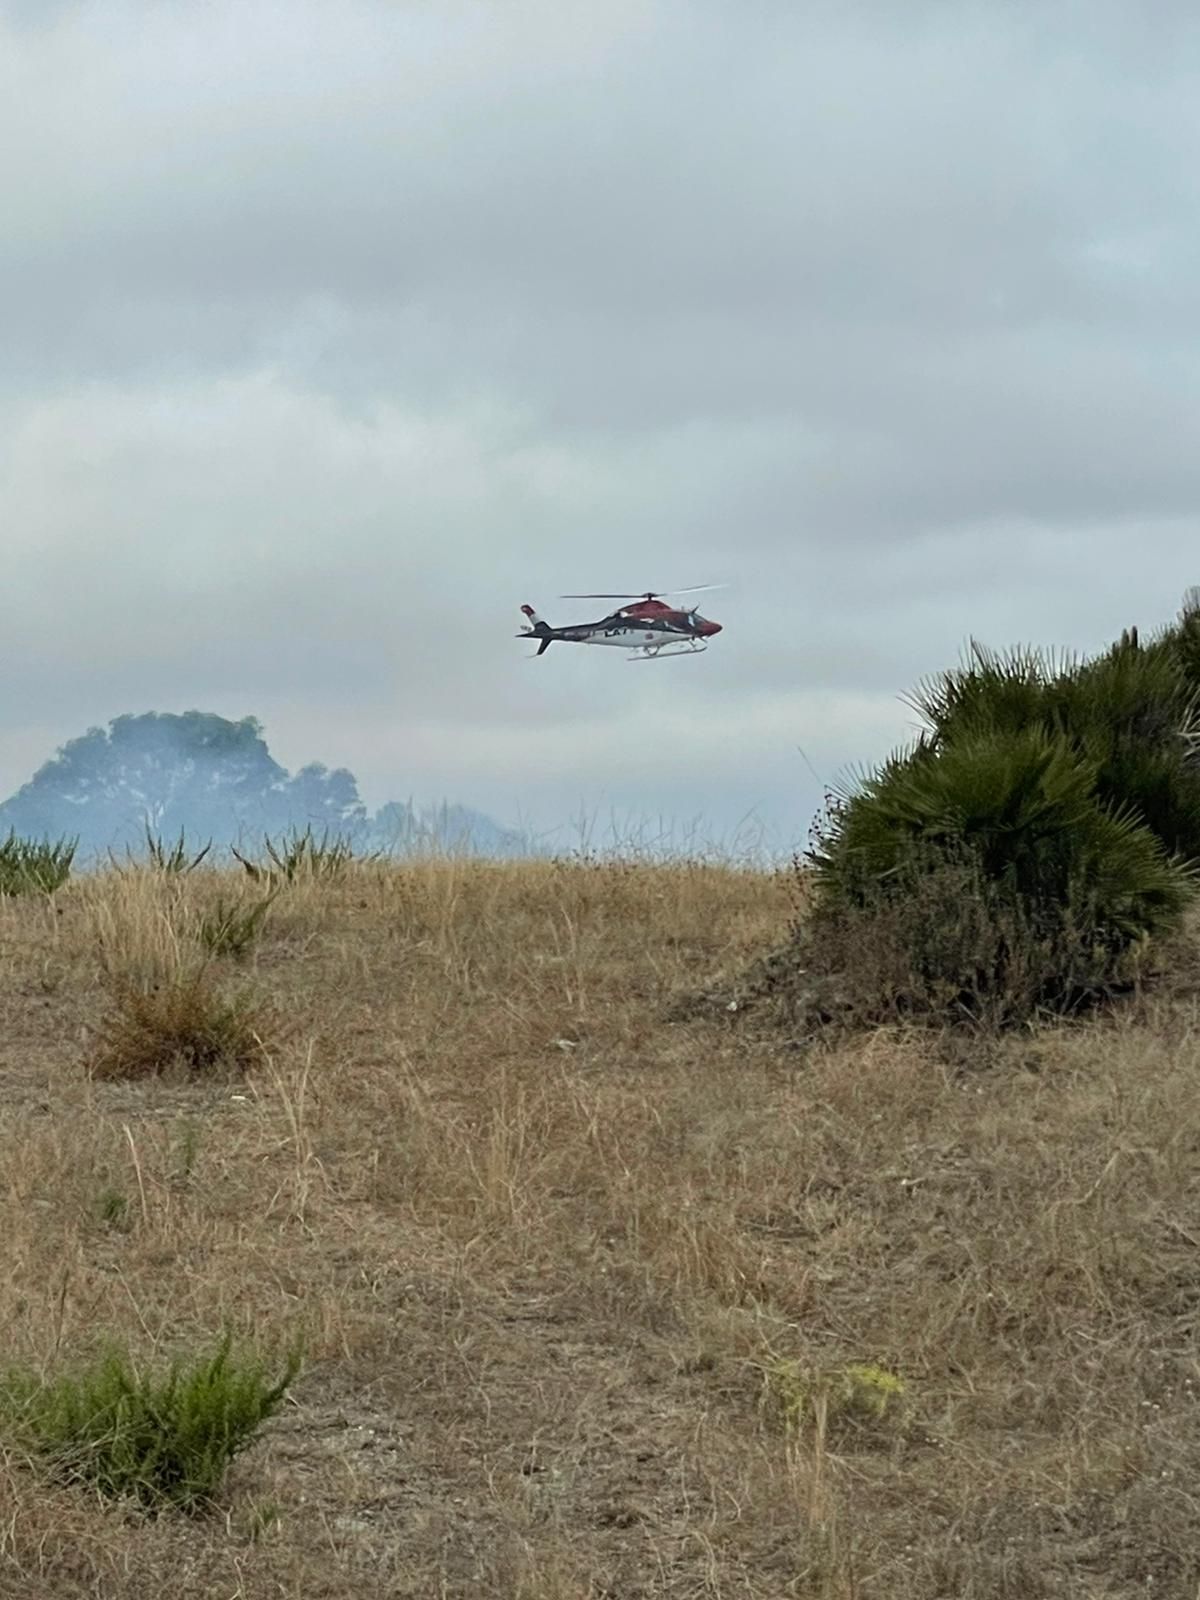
645	594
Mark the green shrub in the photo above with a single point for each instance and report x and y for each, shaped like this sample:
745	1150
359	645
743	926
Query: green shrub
165	1441
940	939
1133	714
1181	639
1027	851
984	876
30	866
1025	805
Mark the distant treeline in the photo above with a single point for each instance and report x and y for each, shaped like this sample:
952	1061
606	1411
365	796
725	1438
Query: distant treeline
209	778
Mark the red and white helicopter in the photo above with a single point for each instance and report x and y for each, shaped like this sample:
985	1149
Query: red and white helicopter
649	627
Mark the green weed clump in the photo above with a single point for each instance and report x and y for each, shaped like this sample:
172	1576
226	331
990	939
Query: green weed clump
299	854
175	857
171	857
164	1441
861	1394
33	866
232	929
112	1208
184	1022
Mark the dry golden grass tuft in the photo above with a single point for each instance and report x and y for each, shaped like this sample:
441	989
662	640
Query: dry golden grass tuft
553	1255
187	1023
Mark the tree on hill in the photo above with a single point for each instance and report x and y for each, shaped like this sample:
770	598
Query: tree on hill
196	772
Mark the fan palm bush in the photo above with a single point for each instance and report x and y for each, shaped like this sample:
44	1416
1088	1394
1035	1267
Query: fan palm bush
1182	638
1134	712
987	876
1030	845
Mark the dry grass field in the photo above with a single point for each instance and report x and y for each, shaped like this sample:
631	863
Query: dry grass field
579	1282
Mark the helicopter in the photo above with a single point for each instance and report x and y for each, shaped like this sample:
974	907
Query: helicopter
649	628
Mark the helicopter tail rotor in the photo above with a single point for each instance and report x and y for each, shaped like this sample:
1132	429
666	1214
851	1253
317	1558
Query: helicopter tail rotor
537	629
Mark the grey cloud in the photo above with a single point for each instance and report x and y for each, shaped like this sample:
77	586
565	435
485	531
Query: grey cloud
332	333
697	163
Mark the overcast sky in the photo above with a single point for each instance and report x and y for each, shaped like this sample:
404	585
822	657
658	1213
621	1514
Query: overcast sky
332	330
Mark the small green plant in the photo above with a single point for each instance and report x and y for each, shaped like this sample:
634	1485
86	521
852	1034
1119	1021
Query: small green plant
173	857
112	1208
162	1440
788	1389
860	1393
32	866
868	1392
232	929
186	1021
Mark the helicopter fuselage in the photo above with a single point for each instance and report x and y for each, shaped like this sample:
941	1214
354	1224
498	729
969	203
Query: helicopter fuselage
679	632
